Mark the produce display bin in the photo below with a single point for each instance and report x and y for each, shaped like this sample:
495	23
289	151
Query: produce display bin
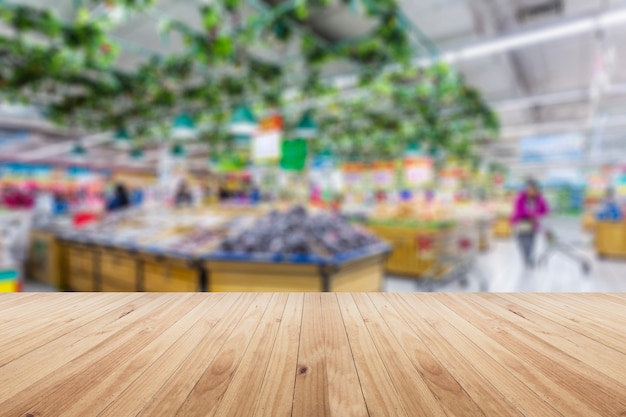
610	239
502	228
82	266
117	270
162	273
43	261
359	270
415	248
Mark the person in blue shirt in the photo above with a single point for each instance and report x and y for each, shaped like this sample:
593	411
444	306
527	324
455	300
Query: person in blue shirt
120	199
610	209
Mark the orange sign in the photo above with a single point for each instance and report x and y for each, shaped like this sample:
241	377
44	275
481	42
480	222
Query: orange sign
418	170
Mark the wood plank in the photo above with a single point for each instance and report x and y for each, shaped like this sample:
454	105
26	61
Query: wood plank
534	378
453	397
380	395
583	348
568	379
344	390
33	363
208	392
149	354
75	378
275	398
107	390
582	325
415	396
611	317
311	394
17	316
141	391
46	331
611	299
171	396
478	387
513	389
11	299
253	367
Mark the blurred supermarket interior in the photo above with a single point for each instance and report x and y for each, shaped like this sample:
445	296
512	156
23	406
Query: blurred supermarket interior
313	145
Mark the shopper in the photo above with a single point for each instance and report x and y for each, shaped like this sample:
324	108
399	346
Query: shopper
183	196
530	206
120	199
610	209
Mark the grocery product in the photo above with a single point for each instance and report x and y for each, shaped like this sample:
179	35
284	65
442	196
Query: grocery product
298	232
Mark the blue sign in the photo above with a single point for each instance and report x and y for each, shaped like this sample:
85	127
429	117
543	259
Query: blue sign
550	148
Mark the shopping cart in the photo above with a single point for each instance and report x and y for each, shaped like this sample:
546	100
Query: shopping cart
555	246
454	254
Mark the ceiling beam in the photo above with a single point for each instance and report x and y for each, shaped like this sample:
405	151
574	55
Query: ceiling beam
63	148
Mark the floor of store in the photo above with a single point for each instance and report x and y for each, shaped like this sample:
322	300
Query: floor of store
504	272
502	269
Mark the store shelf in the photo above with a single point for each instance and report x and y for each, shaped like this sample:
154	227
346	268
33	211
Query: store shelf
262	354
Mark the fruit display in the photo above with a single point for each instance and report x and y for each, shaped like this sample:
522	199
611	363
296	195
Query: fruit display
411	214
186	233
299	232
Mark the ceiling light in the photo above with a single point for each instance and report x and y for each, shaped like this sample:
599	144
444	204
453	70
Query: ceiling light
243	121
306	128
183	127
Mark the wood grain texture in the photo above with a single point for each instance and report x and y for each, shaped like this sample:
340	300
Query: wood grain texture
313	354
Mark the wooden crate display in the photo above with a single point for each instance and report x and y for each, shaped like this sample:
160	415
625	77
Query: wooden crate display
610	238
44	263
414	250
81	272
117	270
502	228
169	275
358	276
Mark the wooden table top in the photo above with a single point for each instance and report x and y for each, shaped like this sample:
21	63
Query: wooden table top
199	354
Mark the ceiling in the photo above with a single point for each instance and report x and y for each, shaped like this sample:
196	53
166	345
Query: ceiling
549	87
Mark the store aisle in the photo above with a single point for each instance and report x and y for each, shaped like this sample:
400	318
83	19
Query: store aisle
504	272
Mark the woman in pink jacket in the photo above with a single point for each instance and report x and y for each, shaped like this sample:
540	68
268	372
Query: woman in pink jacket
530	207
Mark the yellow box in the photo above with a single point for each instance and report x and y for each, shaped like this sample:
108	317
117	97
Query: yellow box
169	275
502	228
610	238
408	256
363	275
117	269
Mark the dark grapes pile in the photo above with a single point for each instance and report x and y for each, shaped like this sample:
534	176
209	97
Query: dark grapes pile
296	232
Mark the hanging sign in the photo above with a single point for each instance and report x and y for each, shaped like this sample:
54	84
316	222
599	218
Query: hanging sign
383	174
294	154
418	171
266	145
353	173
450	177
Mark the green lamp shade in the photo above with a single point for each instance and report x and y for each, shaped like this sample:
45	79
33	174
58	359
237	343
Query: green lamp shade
136	154
294	153
243	121
177	150
306	128
413	149
79	150
122	139
183	127
122	135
